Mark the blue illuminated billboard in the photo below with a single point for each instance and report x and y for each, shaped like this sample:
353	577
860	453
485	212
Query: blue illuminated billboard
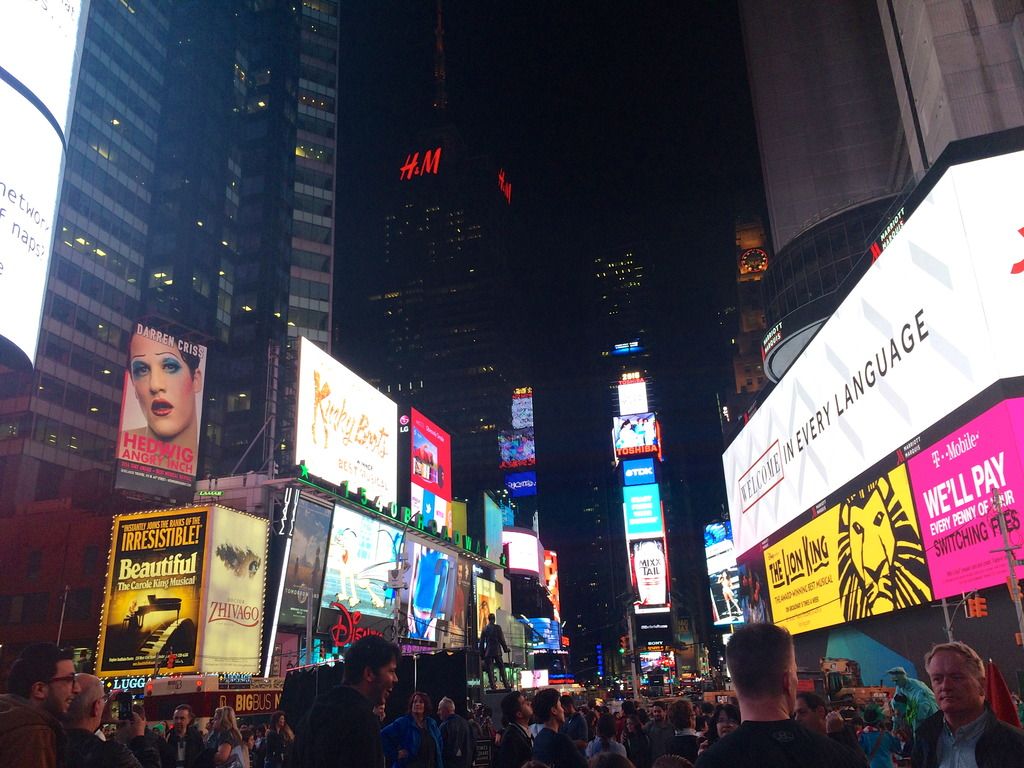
638	472
521	484
543	634
642	507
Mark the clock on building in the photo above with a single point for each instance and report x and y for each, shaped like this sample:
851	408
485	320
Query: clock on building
753	261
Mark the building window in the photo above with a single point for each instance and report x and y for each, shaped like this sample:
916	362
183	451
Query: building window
90	558
34	564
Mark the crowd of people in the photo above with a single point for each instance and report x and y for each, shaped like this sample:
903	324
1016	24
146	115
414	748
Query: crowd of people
55	718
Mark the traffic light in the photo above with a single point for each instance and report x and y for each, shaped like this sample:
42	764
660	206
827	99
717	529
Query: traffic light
1014	587
623	644
977	607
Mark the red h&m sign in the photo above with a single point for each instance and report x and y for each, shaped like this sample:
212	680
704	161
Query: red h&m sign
413	166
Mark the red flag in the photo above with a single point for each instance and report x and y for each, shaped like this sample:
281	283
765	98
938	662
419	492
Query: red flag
998	695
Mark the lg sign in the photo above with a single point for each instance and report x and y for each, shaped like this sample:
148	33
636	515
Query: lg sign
638	472
521	484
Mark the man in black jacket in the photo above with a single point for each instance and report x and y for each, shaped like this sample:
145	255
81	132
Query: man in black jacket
184	743
963	726
457	741
516	745
492	645
87	750
342	730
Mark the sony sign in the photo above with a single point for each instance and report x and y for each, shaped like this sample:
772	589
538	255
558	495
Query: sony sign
931	325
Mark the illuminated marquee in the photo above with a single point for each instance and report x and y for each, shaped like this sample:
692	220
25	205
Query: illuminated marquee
413	167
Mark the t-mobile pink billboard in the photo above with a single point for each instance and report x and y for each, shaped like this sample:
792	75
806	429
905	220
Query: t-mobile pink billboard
954	482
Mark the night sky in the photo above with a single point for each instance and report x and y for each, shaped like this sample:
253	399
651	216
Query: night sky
616	122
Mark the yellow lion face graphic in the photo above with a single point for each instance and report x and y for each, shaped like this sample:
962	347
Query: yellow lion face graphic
881	557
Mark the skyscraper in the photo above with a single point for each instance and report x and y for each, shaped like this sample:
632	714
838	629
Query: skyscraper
199	190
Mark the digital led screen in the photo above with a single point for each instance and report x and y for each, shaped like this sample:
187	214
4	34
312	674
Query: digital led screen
521	484
430	591
533	678
891	362
523	551
493	524
40	50
432	462
862	557
656	661
522	408
161	411
488	601
723	573
654	630
345	430
551	581
431	507
517	448
648	560
638	472
637	435
362	549
642	508
632	397
543	634
954	480
304	571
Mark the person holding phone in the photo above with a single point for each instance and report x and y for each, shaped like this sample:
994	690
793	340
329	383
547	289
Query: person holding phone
90	709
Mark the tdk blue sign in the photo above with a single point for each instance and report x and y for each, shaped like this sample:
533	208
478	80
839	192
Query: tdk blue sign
638	472
524	483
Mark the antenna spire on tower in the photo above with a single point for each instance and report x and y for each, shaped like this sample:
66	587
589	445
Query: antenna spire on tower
440	92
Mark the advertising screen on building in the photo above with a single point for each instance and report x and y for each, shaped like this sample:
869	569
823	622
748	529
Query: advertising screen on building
862	557
654	630
954	481
345	430
648	561
161	410
632	397
431	470
362	549
460	623
524	557
153	599
431	584
654	662
723	574
304	571
520	484
638	472
40	50
638	435
543	634
233	632
641	505
516	448
493	525
551	581
488	601
891	362
522	408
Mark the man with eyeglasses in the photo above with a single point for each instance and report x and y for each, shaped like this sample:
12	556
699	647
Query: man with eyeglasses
41	685
87	749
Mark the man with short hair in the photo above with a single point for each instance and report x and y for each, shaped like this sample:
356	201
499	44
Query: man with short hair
813	714
550	746
341	729
659	730
762	662
41	685
86	749
964	732
575	726
516	745
184	743
492	645
456	738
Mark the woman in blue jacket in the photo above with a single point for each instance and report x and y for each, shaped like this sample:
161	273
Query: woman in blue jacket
413	740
